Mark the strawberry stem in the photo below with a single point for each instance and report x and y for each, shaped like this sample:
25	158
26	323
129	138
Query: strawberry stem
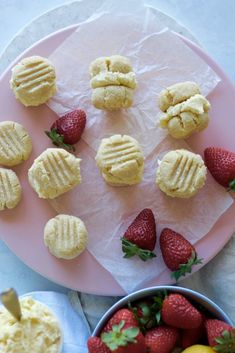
232	185
118	337
58	140
187	267
131	249
226	342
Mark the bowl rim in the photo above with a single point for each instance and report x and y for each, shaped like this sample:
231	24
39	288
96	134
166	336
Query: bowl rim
142	293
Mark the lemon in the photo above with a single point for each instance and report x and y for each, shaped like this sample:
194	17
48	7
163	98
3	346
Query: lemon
198	348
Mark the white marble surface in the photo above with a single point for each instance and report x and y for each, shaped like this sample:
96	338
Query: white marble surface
210	21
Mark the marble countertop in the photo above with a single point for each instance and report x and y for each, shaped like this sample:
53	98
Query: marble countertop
211	22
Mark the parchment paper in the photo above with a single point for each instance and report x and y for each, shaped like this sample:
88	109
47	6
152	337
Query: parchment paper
159	59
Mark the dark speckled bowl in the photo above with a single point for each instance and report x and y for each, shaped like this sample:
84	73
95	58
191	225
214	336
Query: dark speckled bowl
208	304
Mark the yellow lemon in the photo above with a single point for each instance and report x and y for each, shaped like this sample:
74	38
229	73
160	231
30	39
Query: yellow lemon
198	348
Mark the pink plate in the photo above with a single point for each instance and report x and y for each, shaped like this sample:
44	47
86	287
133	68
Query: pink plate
22	228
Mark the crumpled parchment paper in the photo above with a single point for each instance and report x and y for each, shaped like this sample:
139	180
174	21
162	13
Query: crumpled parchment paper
159	59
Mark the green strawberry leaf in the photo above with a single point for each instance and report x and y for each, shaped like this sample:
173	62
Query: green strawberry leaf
232	185
186	268
131	249
226	342
118	337
58	140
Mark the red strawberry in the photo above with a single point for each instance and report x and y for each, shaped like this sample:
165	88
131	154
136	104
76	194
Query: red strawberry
178	312
221	164
220	335
67	130
140	237
193	336
124	340
178	254
125	315
95	345
161	339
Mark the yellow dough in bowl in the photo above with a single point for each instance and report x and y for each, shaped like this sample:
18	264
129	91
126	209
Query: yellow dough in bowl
10	189
15	143
65	236
33	81
181	173
38	331
113	82
120	160
54	172
185	110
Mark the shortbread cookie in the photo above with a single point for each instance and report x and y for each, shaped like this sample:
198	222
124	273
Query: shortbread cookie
185	110
10	189
33	81
54	172
186	118
114	79
112	97
120	160
113	82
15	143
114	63
181	173
65	236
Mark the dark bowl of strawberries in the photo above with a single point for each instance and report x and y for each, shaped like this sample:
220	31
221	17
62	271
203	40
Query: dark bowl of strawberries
163	319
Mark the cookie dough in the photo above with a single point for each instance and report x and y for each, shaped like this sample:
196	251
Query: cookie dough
120	160
185	110
65	236
15	143
38	330
54	172
113	82
33	81
181	173
10	189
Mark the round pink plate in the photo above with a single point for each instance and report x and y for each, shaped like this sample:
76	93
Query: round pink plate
22	228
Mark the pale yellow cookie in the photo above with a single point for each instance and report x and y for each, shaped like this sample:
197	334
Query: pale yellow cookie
185	110
15	143
113	82
186	118
112	97
181	173
177	93
65	236
54	172
33	81
120	160
114	79
114	63
10	189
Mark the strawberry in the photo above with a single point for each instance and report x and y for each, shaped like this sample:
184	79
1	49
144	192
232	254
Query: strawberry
95	345
148	312
140	237
193	336
161	339
178	253
67	130
221	164
125	315
221	336
178	312
124	340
